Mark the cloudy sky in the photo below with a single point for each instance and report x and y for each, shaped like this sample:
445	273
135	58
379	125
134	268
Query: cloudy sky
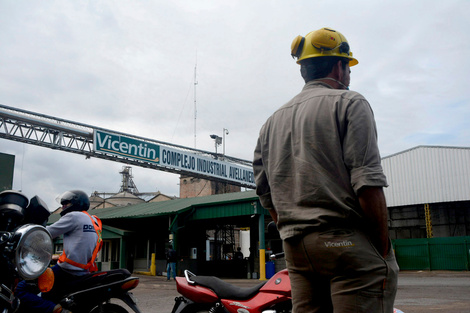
129	66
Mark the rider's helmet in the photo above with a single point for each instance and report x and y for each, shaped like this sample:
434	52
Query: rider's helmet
324	42
73	200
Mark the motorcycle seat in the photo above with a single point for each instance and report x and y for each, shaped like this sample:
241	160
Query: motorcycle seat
225	290
102	278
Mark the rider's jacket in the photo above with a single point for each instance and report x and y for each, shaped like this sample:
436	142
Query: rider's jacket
82	241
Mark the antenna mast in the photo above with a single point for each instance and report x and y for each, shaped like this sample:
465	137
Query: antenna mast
195	108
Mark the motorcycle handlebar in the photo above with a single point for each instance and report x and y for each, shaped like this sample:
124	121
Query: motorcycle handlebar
275	256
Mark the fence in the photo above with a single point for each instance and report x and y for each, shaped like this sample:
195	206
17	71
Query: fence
450	253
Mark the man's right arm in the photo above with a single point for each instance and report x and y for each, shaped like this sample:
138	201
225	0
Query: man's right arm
362	157
63	225
372	201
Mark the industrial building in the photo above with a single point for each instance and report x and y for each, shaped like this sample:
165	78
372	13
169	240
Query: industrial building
429	192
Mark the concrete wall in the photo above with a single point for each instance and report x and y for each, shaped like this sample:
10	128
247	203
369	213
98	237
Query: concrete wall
196	187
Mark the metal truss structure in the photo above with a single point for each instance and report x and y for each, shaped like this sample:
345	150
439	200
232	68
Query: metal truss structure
64	135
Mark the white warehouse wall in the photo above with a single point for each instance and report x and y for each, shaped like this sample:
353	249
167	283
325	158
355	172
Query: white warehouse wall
427	174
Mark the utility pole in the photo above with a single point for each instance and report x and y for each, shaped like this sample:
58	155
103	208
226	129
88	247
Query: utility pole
223	140
195	107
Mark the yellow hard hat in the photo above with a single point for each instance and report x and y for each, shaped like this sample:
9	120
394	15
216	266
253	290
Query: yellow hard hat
324	42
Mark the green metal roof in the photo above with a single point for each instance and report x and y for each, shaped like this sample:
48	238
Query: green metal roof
113	232
223	205
229	201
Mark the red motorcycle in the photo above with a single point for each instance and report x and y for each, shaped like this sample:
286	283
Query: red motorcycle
211	294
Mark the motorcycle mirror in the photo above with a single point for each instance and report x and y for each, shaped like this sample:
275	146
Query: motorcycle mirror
12	206
272	229
37	212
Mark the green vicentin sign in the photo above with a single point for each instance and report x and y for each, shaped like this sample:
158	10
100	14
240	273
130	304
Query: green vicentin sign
184	161
127	147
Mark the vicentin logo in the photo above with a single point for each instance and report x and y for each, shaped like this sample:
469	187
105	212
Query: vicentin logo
125	146
339	244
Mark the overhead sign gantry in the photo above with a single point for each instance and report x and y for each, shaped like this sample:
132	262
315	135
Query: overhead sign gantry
60	134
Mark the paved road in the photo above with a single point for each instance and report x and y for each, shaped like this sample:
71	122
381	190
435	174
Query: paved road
418	292
436	291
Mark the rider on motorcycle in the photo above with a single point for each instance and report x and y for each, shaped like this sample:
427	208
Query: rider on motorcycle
81	244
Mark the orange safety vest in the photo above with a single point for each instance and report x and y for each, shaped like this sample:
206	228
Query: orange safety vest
91	265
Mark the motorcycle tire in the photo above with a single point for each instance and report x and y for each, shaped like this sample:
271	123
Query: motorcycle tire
110	308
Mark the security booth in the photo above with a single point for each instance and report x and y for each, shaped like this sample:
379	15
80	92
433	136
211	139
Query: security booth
204	231
116	247
208	233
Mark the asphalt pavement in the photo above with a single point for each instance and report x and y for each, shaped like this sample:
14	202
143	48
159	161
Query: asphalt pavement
418	292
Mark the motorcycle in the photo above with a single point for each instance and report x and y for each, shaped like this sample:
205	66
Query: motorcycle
27	248
25	244
211	294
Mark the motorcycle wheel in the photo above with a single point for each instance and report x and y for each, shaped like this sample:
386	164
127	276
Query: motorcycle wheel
110	308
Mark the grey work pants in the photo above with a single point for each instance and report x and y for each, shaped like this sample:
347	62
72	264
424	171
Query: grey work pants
338	271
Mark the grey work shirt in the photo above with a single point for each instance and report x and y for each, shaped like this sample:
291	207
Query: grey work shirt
79	239
312	157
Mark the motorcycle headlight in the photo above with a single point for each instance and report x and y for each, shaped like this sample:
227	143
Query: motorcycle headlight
33	251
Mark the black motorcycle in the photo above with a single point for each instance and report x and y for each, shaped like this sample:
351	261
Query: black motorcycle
26	250
95	291
25	244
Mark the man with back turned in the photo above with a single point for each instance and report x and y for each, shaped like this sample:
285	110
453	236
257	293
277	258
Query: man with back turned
318	171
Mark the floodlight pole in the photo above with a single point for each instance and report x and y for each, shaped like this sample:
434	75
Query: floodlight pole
225	132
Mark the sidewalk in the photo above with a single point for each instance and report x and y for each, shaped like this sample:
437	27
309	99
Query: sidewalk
418	292
425	273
